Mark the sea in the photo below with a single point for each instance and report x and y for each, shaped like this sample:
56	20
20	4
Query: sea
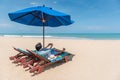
113	36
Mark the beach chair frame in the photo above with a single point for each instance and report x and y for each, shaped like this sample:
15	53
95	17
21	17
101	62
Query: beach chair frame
19	57
40	68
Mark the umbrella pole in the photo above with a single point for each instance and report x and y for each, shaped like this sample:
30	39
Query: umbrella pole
43	35
43	21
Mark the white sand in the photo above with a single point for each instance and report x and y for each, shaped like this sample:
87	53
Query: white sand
93	60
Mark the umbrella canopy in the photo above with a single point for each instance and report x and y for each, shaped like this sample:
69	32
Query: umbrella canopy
41	16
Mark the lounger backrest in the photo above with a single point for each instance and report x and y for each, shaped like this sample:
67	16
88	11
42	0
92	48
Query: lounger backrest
22	51
38	56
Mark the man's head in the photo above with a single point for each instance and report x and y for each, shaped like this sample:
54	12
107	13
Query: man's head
38	46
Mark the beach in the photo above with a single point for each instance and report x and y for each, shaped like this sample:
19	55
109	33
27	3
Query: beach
93	60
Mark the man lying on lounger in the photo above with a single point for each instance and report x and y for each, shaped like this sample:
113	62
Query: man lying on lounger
50	53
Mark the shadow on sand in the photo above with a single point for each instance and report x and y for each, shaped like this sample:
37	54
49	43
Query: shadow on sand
55	65
48	67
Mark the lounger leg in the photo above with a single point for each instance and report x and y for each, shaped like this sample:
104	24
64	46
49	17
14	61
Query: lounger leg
23	61
11	58
20	60
34	69
40	69
16	60
26	64
66	59
16	56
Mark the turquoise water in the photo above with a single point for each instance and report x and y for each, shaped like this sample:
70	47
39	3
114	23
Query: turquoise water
66	35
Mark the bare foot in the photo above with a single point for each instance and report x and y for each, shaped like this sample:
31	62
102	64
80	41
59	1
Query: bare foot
63	49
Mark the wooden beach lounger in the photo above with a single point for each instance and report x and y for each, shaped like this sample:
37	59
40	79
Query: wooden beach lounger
23	57
45	62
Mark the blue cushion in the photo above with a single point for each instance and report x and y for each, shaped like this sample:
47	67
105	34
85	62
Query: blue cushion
23	51
44	49
60	57
64	54
44	54
54	52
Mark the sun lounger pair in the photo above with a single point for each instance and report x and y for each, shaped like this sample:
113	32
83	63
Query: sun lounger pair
35	61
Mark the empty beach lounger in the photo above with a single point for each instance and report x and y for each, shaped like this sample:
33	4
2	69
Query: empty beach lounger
22	56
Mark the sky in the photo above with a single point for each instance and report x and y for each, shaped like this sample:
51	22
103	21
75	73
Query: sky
89	16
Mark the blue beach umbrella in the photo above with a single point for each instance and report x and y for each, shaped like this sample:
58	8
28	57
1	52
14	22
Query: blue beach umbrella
41	16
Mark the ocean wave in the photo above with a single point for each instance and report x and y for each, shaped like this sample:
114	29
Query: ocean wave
66	36
61	37
35	36
11	35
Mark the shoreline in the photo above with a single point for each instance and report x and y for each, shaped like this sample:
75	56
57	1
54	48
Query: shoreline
49	37
91	36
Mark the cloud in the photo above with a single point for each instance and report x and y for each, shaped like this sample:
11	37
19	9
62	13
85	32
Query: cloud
4	25
34	3
93	27
96	28
55	2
